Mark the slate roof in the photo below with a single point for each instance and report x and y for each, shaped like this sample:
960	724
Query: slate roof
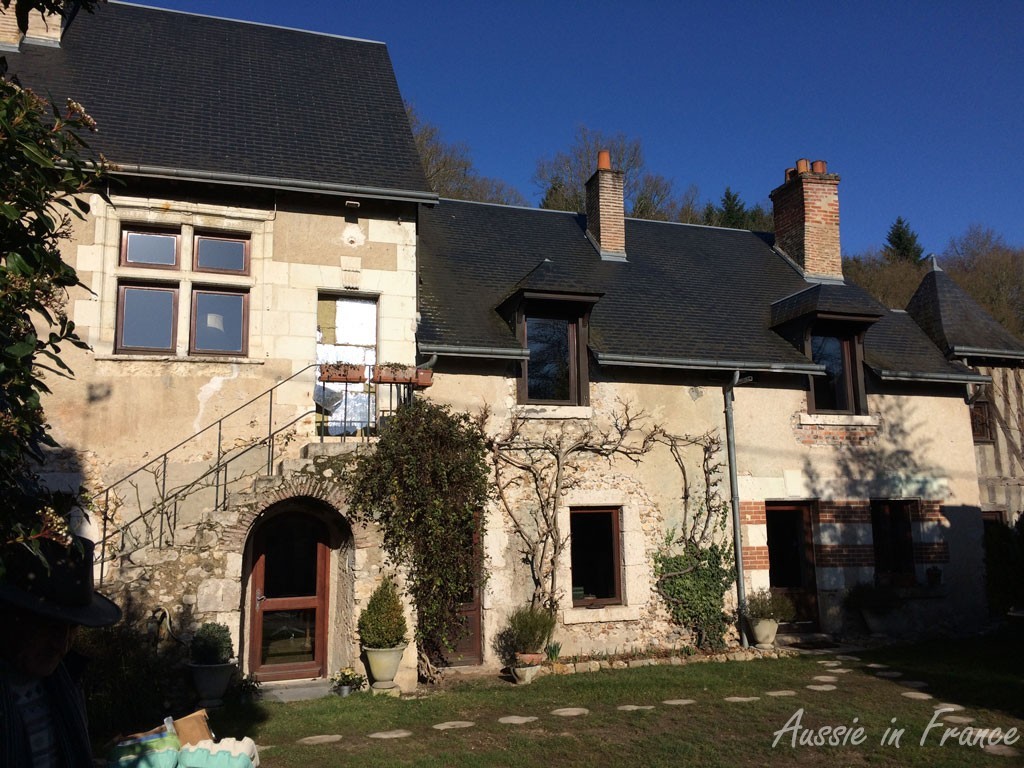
839	299
688	297
182	95
957	323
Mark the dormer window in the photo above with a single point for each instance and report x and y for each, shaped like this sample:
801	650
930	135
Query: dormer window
554	333
841	389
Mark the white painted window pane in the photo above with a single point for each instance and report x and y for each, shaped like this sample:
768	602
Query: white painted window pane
356	322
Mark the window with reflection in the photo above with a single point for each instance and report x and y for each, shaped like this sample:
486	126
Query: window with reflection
148	309
554	335
841	388
595	554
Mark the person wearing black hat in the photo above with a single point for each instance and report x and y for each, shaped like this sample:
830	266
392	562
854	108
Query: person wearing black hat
42	711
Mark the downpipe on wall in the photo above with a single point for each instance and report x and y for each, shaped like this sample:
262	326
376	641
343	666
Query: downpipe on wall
734	493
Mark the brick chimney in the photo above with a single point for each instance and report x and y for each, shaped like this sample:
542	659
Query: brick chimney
606	215
806	211
42	30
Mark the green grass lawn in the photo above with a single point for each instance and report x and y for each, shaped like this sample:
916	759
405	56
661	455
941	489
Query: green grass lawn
986	676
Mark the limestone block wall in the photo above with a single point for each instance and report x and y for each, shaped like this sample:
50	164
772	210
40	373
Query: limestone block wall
649	495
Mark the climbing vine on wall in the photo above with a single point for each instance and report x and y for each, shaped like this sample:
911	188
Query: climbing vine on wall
426	486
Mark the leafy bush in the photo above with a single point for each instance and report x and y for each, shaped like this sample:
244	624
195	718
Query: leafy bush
528	630
347	676
865	596
694	583
382	622
765	604
212	644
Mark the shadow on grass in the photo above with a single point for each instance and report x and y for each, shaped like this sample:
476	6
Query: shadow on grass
986	672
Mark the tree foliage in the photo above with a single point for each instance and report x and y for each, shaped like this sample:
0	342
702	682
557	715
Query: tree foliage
901	243
449	168
43	176
426	485
22	8
732	212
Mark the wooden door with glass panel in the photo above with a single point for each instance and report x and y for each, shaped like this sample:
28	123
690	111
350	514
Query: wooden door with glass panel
288	602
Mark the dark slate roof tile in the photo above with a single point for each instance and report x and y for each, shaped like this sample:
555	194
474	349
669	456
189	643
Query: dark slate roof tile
215	96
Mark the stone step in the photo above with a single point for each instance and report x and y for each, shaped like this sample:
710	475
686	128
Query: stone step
296	690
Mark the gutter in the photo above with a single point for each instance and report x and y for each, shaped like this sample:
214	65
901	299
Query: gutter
986	352
272	182
734	492
708	365
948	378
504	353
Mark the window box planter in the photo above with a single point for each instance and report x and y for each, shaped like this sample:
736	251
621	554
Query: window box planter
402	374
350	373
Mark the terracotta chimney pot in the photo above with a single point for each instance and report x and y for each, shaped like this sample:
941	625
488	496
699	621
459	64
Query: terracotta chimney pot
819	166
604	160
803	165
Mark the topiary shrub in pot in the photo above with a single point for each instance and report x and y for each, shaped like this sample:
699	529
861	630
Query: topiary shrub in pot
520	644
382	629
875	603
210	653
765	609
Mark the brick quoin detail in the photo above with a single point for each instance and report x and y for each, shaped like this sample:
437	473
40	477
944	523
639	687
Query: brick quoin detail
927	510
844	555
294	487
752	513
844	512
755	558
931	552
832	435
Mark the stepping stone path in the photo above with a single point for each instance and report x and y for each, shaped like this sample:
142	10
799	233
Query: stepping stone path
889	673
396	734
452	724
1001	749
825	687
831	663
516	719
913	683
920	695
327	739
570	711
947	705
878	666
958	719
634	707
780	693
826	678
840	671
848	658
679	702
741	699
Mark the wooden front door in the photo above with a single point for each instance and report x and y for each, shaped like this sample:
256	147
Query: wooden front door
791	559
469	649
288	601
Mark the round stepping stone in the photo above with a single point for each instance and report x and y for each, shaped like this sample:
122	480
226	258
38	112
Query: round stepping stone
679	702
889	673
825	687
634	707
947	705
958	719
396	734
831	663
826	678
570	711
840	671
451	724
913	683
919	695
741	699
780	693
516	719
844	657
878	666
325	739
1001	749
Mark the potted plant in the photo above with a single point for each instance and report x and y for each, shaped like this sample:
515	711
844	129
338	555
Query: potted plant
382	629
522	641
393	373
351	373
210	655
874	602
346	680
765	609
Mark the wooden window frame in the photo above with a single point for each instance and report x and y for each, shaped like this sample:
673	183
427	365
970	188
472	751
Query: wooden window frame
982	427
578	317
119	347
853	364
900	572
127	231
229	236
192	350
615	513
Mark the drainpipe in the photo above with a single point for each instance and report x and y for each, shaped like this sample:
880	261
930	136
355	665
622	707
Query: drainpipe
431	362
734	492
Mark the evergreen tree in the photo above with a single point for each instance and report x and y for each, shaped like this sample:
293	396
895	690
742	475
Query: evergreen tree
901	244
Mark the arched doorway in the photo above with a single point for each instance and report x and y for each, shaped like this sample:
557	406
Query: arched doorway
288	595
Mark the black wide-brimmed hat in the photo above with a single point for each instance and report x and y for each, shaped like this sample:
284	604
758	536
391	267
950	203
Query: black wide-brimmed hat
59	589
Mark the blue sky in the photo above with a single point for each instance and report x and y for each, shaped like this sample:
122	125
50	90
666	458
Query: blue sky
918	106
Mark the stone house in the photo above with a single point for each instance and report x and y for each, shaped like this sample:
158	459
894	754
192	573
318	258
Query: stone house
267	218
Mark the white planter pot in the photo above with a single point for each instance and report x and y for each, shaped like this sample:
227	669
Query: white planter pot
384	664
764	630
525	675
